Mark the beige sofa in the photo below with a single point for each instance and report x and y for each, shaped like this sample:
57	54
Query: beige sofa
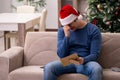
19	63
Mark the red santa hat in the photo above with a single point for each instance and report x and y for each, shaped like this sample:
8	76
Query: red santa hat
68	14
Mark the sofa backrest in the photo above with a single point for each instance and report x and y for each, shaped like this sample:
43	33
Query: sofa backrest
40	48
110	52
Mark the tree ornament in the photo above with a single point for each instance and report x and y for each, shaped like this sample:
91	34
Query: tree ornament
116	13
99	7
95	21
108	23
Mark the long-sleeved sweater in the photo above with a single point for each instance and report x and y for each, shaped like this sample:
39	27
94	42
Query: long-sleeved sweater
86	42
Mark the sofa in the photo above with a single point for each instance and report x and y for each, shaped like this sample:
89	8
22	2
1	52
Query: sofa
25	63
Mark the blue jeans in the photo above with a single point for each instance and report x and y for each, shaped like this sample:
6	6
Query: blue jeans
91	69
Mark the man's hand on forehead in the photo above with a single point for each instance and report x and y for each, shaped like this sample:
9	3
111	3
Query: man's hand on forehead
66	31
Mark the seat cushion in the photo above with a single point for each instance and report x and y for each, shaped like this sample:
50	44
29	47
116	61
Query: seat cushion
27	73
73	77
36	73
108	74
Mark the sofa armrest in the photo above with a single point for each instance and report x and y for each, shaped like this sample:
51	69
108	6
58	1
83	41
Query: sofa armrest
10	60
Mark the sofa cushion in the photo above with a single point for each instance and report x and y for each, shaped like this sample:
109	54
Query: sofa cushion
40	48
73	77
36	73
110	52
108	74
27	73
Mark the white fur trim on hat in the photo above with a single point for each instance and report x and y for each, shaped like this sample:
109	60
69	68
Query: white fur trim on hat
68	19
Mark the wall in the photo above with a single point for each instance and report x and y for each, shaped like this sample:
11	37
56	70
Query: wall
83	6
52	17
5	6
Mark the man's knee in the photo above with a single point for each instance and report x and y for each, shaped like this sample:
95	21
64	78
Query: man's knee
94	67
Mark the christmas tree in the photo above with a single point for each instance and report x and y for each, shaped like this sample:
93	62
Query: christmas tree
105	14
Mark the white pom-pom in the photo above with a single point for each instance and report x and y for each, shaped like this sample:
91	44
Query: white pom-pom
80	17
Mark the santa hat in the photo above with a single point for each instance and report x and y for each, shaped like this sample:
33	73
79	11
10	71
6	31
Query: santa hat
68	14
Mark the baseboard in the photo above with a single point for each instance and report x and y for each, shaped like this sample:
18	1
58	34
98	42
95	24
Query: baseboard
51	29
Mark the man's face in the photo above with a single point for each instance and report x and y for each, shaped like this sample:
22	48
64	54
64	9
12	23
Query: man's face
73	26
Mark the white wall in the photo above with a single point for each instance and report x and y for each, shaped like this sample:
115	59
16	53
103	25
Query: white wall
83	6
52	17
5	6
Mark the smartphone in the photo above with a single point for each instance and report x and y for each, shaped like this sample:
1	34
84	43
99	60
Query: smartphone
116	69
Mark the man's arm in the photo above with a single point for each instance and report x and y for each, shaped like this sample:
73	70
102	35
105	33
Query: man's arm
95	46
63	42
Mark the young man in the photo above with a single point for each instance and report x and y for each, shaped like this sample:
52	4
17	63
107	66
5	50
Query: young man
76	36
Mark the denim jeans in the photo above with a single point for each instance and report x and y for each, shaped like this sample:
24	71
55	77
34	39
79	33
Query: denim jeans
54	69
